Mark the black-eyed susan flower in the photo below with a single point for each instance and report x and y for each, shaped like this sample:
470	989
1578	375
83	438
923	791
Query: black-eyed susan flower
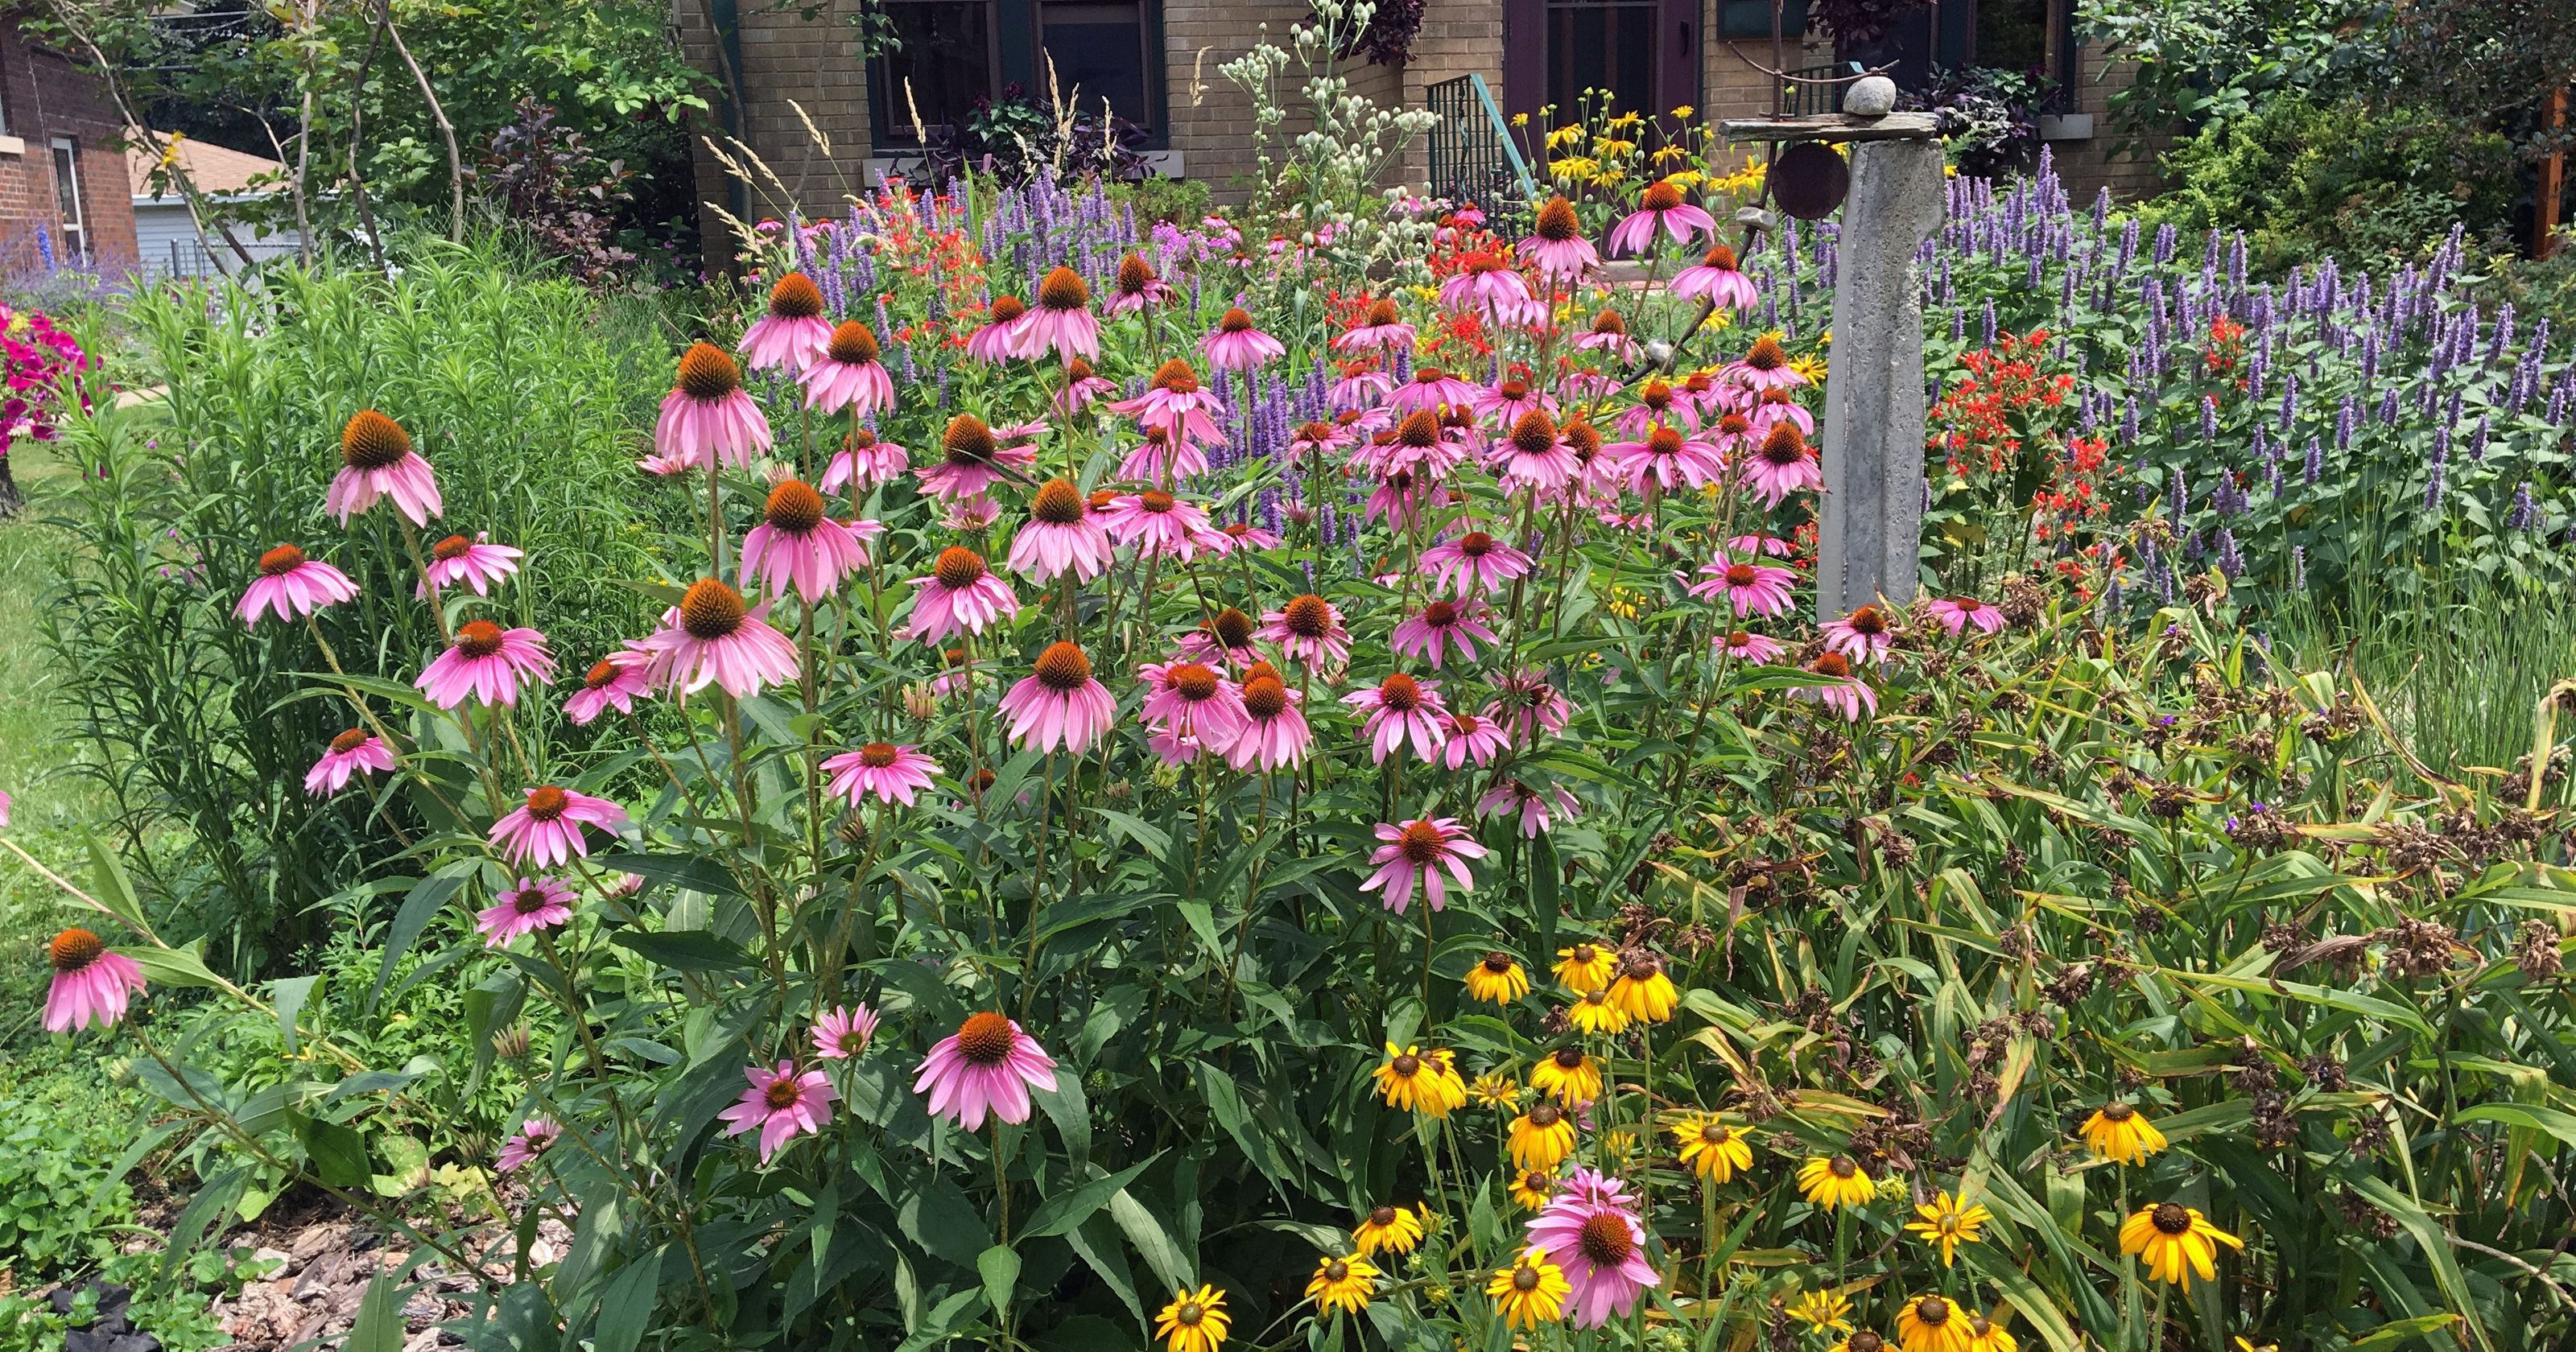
1388	1229
1194	1322
1985	1335
1822	1311
1568	1074
1413	1080
1530	1292
1642	991
1531	1188
2176	1243
1713	1150
1497	980
1494	1089
1342	1285
1597	1014
1945	1225
1931	1324
1836	1182
2118	1131
1542	1137
1586	967
1863	1340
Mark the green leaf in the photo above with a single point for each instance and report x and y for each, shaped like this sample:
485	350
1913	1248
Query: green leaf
693	872
339	1153
626	1307
1154	840
1064	1211
216	1197
686	950
1000	1268
420	906
2432	1239
2557	1122
287	995
380	1322
172	966
111	888
937	1216
1153	1242
2397	1331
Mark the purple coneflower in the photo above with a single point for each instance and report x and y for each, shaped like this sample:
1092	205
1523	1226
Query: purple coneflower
546	829
535	904
486	662
1399	709
782	1105
1381	329
1237	345
1430	632
1308	629
1752	588
1158	523
988	1066
1063	322
349	754
534	1137
293	585
1059	703
1474	562
1418	854
1591	1231
708	415
1660	206
1556	245
1716	279
863	460
793	334
1061	535
1540	808
889	773
847	377
844	1032
711	636
91	984
960	594
377	461
612	682
798	545
476	563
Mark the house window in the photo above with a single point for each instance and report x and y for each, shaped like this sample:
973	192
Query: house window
950	58
1643	54
67	198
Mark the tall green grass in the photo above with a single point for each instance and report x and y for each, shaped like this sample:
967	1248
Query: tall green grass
530	411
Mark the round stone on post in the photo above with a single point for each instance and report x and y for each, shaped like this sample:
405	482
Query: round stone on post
1870	96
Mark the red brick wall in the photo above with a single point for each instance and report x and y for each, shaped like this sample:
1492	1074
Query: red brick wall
44	96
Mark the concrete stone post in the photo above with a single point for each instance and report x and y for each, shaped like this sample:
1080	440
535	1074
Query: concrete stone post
1871	524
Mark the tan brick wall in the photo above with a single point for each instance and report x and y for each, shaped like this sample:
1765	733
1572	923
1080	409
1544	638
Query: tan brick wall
46	95
2088	166
787	62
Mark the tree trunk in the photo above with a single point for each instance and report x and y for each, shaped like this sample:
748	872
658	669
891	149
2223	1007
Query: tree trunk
12	501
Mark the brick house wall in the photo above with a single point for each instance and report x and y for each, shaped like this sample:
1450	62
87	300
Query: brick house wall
44	95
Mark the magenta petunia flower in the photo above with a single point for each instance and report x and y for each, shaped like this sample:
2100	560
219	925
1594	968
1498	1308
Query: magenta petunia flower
893	774
1174	405
1474	562
959	595
486	662
90	983
863	461
1838	689
1189	699
477	563
1063	323
1958	612
711	637
1274	735
1429	633
1660	207
1715	279
377	461
1863	636
987	1066
1381	329
1591	1232
353	752
1402	709
1556	245
546	830
798	545
782	1105
1237	345
847	376
708	418
535	1136
613	681
1308	630
844	1032
1539	808
1059	703
1749	647
1752	588
292	585
535	904
792	334
1418	854
1004	334
1155	522
1667	460
1061	535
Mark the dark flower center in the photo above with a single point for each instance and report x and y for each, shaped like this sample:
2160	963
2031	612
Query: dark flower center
1868	620
1546	1114
1475	544
450	549
1569	1058
1584	438
1381	313
985	1038
1641	967
1308	616
602	672
1660	196
1192	681
1400	693
1189	1314
2171	1218
1337	1271
1742	575
796	297
878	755
1843	1166
349	741
1406	1066
1440	614
1235	320
1932	1310
1064	289
1232	627
373	441
861	439
1419	430
795	507
1498	963
1720	257
1063	669
1733	424
1608	321
478	638
1076	371
1784	445
1969	605
1007	308
547	803
1156	501
968	442
1429	375
1656	396
1423	843
707	372
1525	1277
782	1093
280	561
1134	275
959	568
853	344
1382	1217
1605	1239
1716	1133
1832	664
2117	1112
710	610
1535	433
75	948
1058	503
1264	697
1865	1341
1557	222
1737	638
530	900
1766	354
1175	375
1664	441
1584	954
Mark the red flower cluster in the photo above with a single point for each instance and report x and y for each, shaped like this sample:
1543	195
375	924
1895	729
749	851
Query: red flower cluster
1982	423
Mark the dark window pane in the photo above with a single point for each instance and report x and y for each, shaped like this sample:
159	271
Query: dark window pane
1608	47
1099	52
946	56
2012	34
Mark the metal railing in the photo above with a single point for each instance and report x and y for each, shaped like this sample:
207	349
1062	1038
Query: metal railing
1807	99
1473	155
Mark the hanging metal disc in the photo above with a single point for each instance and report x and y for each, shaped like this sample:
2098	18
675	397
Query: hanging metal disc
1808	180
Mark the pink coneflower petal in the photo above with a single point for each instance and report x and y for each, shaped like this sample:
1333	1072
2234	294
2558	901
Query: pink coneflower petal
782	1105
293	586
711	637
486	663
844	1032
546	829
90	985
880	770
987	1067
354	752
1059	704
534	1138
1427	853
534	904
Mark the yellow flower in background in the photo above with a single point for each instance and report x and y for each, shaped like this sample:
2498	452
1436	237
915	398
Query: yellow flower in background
1413	1080
1985	1335
1683	113
1532	1188
1931	1324
1685	179
1498	980
1194	1322
1619	1144
1836	1182
1713	1150
1530	1292
1809	365
1669	152
1949	171
1388	1229
1520	119
1542	1137
1565	136
1342	1285
1893	1188
1586	967
1624	121
1569	1074
1573	168
1597	1015
1822	1310
2176	1243
1642	990
1946	1225
1494	1089
2119	1132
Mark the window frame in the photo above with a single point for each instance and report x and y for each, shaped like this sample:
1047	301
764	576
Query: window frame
64	157
1015	53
